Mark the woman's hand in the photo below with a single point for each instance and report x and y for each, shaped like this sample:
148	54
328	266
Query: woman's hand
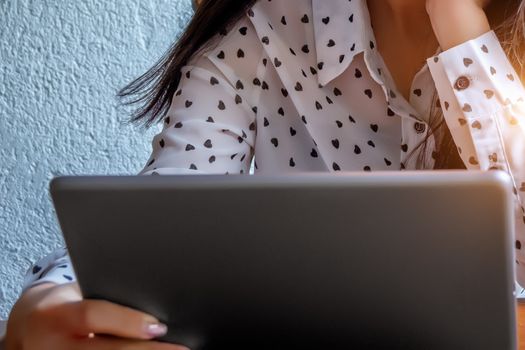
457	21
56	317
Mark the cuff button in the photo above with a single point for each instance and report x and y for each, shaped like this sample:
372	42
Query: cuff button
462	83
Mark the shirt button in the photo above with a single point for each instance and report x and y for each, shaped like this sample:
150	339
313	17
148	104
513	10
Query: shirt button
420	127
462	83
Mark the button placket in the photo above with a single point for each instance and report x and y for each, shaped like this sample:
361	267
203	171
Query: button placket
411	139
419	127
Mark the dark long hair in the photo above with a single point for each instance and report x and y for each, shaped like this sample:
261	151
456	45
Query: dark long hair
153	91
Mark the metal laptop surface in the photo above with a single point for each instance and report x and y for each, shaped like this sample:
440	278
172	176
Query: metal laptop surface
386	260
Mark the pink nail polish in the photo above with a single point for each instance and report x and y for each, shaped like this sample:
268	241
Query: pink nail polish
156	329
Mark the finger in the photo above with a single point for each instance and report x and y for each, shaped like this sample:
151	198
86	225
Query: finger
111	343
103	317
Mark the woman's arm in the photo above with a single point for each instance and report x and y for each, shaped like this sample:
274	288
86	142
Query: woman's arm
482	97
457	21
210	129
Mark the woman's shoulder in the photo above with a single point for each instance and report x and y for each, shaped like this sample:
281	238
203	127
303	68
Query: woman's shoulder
267	30
236	52
245	54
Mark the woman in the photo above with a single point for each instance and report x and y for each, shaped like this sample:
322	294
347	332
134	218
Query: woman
308	85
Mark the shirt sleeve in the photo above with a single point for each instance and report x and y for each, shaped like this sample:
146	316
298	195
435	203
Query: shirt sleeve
209	129
483	100
54	268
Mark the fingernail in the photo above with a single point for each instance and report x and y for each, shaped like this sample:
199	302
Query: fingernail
156	329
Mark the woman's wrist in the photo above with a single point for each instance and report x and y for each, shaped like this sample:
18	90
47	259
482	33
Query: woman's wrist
457	21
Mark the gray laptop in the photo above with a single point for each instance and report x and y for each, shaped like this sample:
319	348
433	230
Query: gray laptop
386	260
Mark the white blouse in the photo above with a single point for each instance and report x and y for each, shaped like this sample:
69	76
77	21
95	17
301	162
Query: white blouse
303	88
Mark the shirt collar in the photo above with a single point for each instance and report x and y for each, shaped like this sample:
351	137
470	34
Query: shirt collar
342	30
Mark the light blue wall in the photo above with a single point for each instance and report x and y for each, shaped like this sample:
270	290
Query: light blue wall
61	62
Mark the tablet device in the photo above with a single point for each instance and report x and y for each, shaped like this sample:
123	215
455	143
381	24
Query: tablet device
385	260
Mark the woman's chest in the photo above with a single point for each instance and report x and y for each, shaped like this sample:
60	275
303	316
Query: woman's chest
349	124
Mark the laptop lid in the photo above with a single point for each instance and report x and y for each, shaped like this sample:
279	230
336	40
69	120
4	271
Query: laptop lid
412	260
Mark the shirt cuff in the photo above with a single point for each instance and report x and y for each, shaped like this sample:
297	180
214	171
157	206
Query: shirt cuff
55	268
482	77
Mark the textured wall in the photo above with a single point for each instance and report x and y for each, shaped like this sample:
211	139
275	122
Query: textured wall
61	63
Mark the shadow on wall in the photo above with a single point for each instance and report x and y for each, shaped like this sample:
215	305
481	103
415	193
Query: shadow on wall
62	63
